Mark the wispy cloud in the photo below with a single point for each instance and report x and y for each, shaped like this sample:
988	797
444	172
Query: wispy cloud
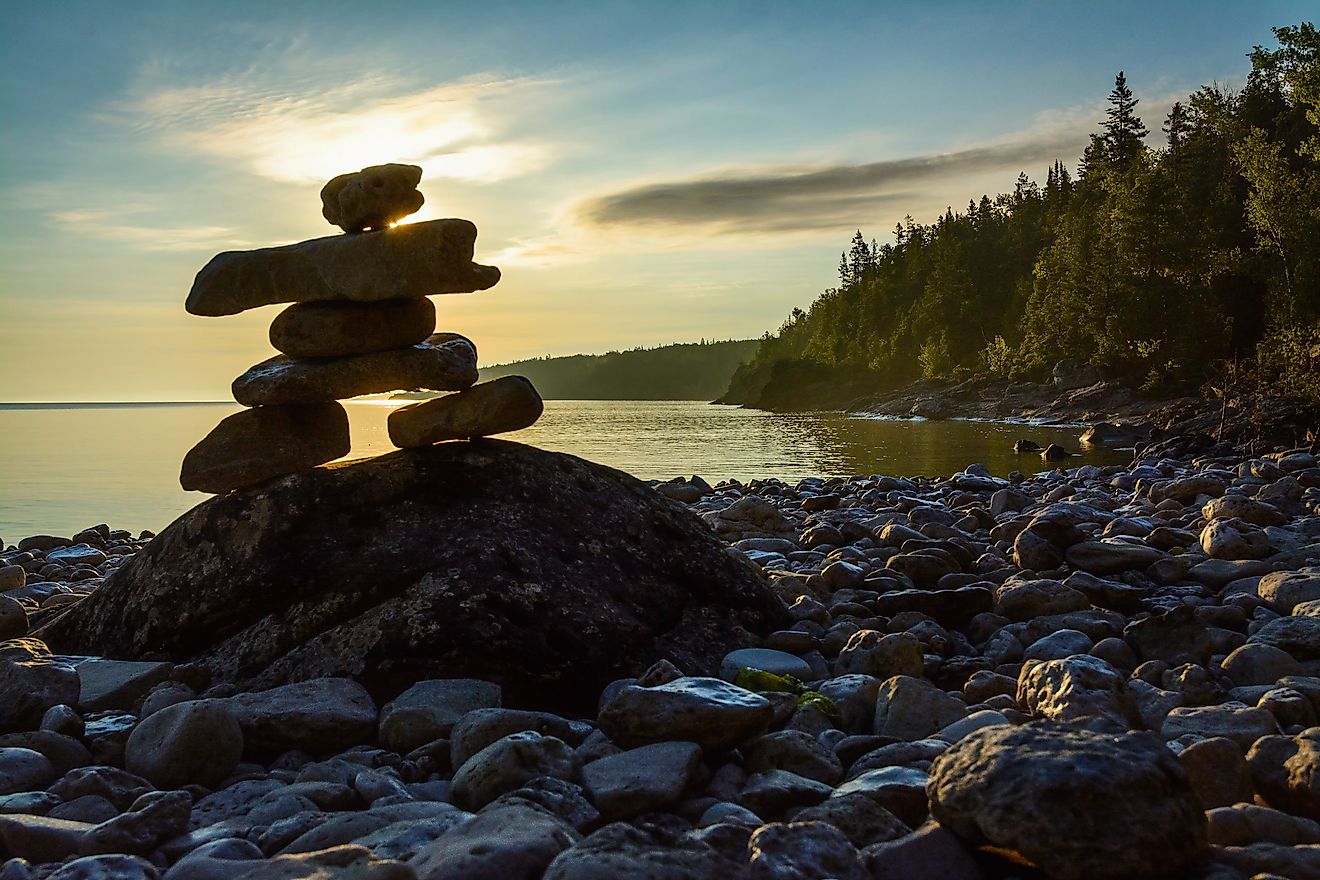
288	129
806	197
107	225
774	200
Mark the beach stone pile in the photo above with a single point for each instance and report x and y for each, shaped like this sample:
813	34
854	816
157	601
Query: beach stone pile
360	323
1066	675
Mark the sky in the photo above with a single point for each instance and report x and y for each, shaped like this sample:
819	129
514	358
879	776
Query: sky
642	173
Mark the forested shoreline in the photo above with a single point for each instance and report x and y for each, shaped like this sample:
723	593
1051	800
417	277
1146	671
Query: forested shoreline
681	371
1172	266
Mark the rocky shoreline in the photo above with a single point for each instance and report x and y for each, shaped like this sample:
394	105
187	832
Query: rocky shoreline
1085	673
1111	413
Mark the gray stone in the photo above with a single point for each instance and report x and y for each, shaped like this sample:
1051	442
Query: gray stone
640	853
858	816
373	198
117	684
343	329
1111	557
40	838
795	751
509	403
1242	724
193	742
803	851
24	770
13	618
710	712
1297	636
900	790
642	780
154	817
254	445
444	362
869	652
319	716
107	867
481	727
512	841
337	863
1081	805
31	681
429	709
12	577
508	763
929	853
219	860
1024	600
909	708
765	659
404	840
1284	590
1076	687
412	260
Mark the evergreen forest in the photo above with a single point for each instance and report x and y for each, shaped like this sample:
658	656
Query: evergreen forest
683	371
1169	258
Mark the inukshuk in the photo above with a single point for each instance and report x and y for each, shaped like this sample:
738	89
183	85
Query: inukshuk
360	323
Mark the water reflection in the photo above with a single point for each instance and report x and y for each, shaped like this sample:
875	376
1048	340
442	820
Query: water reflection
65	468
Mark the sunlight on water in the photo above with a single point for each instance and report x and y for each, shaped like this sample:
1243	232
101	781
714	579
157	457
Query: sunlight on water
65	468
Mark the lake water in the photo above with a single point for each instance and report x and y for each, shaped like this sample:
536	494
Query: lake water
66	467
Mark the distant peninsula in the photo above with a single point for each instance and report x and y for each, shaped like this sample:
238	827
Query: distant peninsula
681	371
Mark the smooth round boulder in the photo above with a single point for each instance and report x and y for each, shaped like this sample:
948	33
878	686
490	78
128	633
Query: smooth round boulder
766	660
537	571
194	742
24	770
340	329
1081	805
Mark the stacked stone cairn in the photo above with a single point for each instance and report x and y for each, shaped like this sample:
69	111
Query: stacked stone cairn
360	323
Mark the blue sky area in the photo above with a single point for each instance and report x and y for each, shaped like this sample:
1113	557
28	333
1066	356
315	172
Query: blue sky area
642	172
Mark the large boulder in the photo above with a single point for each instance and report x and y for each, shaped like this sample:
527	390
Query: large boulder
1081	805
538	571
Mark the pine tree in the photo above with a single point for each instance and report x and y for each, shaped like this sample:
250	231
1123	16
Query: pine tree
1177	126
1124	130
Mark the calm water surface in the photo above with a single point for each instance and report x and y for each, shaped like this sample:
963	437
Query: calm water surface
66	467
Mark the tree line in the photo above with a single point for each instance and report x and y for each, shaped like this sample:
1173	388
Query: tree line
682	371
1167	264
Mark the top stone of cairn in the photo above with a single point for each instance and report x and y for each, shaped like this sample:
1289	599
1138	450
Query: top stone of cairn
372	198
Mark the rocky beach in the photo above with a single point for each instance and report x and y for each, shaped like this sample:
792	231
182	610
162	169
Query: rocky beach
1084	673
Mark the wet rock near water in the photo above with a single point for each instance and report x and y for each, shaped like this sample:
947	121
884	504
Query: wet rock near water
930	694
539	571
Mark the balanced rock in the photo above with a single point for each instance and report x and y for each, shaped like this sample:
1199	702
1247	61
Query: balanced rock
505	404
444	362
416	259
269	441
372	198
341	329
538	571
1080	805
